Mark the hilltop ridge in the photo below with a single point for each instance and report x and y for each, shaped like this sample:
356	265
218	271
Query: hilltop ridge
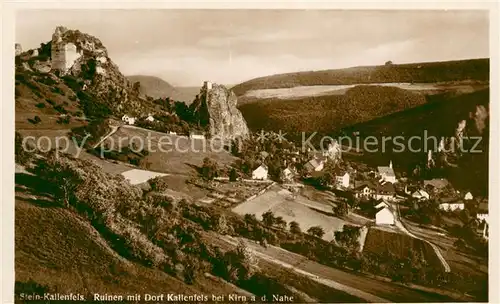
425	72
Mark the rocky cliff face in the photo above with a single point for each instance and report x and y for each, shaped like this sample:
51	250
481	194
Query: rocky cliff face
215	110
84	57
19	49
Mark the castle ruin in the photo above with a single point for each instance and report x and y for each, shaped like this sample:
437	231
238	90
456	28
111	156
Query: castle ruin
207	85
63	54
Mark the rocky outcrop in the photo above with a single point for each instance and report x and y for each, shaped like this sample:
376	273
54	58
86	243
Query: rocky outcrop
19	49
215	111
85	57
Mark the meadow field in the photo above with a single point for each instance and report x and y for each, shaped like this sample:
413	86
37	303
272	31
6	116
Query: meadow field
171	153
299	209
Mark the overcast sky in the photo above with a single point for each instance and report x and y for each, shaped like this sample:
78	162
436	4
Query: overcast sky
185	47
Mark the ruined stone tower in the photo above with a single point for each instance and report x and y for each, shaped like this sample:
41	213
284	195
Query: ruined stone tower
64	54
207	85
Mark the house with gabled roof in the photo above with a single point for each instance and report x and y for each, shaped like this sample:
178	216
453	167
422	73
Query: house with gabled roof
452	205
387	174
315	164
468	196
196	135
420	195
385	214
375	190
261	173
482	212
385	191
436	183
287	175
129	120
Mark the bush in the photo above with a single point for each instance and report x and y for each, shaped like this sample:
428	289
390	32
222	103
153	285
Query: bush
316	231
45	49
158	184
209	169
40	105
73	83
233	175
295	228
35	120
64	120
348	237
50	101
60	109
47	81
142	248
92	107
57	90
89	69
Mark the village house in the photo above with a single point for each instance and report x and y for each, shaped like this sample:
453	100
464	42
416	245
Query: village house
468	196
378	191
385	191
387	174
420	195
150	118
436	184
287	175
486	230
452	206
384	215
342	178
128	120
483	218
263	155
363	190
172	133
482	212
196	135
315	164
260	173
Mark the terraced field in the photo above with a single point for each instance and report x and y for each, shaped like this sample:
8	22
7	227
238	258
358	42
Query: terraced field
381	241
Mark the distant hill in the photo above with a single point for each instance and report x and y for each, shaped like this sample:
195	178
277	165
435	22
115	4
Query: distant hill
156	87
328	113
152	86
473	69
439	117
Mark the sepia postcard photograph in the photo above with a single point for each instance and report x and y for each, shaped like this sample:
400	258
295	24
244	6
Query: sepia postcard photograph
306	155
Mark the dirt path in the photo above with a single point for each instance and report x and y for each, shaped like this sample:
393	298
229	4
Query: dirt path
113	131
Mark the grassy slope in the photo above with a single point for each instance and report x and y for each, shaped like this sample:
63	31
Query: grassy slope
476	69
57	248
31	91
